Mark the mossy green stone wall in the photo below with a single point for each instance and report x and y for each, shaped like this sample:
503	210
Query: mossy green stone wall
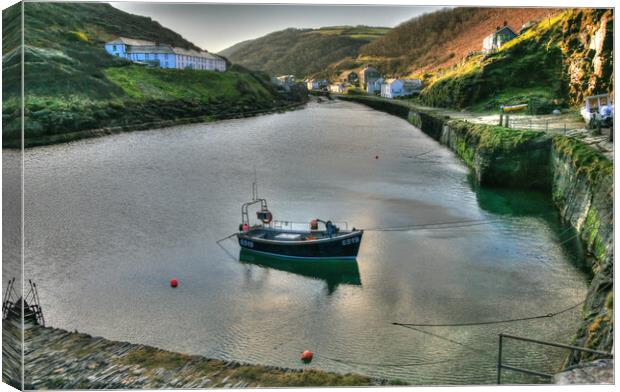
582	189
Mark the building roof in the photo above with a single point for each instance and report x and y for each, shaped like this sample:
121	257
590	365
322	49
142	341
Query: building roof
502	29
190	52
149	49
142	46
130	41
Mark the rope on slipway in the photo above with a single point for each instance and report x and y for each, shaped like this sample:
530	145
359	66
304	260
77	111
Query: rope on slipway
548	315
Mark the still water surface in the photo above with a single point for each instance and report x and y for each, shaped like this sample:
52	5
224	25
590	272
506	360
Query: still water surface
110	221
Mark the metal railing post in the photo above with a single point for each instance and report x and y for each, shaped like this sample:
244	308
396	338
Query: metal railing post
499	361
573	349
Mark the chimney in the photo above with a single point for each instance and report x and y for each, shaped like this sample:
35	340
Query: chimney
497	28
505	23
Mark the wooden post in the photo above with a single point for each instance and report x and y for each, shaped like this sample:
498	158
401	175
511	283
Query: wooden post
499	361
547	126
507	120
597	130
564	129
501	118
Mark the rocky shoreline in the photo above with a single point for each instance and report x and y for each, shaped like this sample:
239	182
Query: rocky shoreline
90	133
59	359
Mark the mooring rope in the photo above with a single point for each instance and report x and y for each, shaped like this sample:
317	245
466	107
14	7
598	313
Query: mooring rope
436	226
218	242
548	315
346	362
225	238
467	346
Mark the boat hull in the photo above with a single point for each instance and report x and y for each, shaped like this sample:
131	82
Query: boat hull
337	248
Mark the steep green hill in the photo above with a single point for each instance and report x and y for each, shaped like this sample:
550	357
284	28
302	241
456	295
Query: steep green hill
73	84
558	62
64	51
302	52
443	38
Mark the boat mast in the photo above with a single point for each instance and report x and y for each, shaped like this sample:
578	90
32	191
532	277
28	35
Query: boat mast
255	187
245	219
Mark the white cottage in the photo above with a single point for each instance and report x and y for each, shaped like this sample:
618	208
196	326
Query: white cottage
338	88
373	86
499	37
164	55
316	84
393	88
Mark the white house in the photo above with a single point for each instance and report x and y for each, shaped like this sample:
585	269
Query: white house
393	88
499	37
338	88
164	55
368	74
284	81
315	84
374	86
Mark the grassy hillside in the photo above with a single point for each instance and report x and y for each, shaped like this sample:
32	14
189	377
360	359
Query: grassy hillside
64	51
302	52
69	76
558	62
442	38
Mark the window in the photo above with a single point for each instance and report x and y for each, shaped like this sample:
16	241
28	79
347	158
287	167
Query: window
114	47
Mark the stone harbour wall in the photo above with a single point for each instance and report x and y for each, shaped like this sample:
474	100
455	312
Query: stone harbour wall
59	359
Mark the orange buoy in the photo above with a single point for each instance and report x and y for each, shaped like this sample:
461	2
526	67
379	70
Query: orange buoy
174	283
306	356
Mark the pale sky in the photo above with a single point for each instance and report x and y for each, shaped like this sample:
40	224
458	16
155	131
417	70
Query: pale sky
215	27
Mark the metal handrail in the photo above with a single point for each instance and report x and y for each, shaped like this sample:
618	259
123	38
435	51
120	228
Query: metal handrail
280	224
501	366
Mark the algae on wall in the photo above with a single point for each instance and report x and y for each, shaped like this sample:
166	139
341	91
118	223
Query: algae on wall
501	156
582	190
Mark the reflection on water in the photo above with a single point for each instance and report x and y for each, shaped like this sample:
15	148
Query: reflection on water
333	272
109	221
522	203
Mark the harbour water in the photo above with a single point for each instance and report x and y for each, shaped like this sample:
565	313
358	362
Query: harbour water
109	221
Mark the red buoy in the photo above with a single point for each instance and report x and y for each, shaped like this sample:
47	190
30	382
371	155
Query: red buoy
306	356
174	283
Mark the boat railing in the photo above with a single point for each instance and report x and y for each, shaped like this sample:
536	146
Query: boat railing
300	226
